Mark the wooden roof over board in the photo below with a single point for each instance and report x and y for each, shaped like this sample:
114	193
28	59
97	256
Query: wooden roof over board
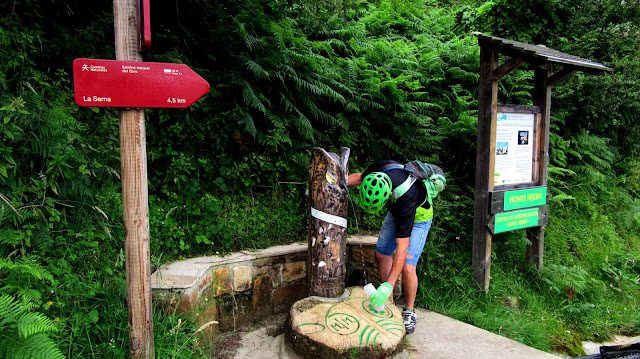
539	54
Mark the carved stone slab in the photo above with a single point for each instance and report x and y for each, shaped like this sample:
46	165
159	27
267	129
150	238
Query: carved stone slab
343	327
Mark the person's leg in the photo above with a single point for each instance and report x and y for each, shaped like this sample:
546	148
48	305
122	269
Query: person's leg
384	265
409	276
410	282
385	246
416	246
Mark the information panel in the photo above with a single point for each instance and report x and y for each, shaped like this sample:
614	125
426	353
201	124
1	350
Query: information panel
514	148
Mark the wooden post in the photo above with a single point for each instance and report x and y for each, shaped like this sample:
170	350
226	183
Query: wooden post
487	112
133	156
326	262
542	98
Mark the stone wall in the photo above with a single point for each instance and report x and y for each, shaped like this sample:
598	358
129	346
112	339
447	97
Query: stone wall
244	287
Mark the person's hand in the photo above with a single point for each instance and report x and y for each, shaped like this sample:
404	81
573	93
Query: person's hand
380	296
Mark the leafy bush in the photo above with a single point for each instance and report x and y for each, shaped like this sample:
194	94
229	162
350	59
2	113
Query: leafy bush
389	79
230	223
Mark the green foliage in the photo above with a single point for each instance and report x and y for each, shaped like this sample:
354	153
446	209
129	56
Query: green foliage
301	83
31	340
497	17
178	336
592	264
389	79
24	330
606	106
57	185
229	223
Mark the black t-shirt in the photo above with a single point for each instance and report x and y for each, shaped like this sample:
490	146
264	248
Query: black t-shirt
404	209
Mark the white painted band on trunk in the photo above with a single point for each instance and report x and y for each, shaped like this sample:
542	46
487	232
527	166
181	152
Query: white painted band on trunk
329	218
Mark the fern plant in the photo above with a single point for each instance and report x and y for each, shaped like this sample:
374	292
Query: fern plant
24	332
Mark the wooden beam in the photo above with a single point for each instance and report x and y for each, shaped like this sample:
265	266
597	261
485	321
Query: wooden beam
518	109
487	112
133	157
561	75
535	251
526	56
538	147
539	54
507	67
542	98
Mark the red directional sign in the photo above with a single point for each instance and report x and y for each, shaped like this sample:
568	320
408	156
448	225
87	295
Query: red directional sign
112	83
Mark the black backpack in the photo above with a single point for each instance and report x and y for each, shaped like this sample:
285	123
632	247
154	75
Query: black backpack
431	177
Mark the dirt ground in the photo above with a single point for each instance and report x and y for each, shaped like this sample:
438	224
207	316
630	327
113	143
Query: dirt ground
244	341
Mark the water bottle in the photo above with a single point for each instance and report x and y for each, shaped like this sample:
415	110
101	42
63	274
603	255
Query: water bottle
369	289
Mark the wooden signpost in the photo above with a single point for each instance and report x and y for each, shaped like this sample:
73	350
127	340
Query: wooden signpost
513	148
133	158
129	83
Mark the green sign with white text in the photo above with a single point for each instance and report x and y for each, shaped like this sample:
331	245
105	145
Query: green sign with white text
525	198
510	221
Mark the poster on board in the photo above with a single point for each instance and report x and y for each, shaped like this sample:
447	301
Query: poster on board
514	148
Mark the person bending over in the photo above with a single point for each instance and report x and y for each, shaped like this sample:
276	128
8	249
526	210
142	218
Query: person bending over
386	184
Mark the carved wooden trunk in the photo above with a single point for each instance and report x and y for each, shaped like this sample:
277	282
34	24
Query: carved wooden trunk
326	263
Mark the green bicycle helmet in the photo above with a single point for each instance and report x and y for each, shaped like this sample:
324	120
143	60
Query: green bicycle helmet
374	192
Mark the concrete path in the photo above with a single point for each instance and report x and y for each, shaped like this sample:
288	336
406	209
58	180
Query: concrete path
440	337
436	337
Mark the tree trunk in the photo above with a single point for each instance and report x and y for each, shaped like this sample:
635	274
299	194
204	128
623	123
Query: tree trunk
326	262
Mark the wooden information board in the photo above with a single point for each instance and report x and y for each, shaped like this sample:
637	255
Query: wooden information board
513	147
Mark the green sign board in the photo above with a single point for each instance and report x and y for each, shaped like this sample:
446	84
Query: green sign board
510	221
525	198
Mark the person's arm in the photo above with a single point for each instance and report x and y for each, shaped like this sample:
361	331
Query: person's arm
399	259
354	179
